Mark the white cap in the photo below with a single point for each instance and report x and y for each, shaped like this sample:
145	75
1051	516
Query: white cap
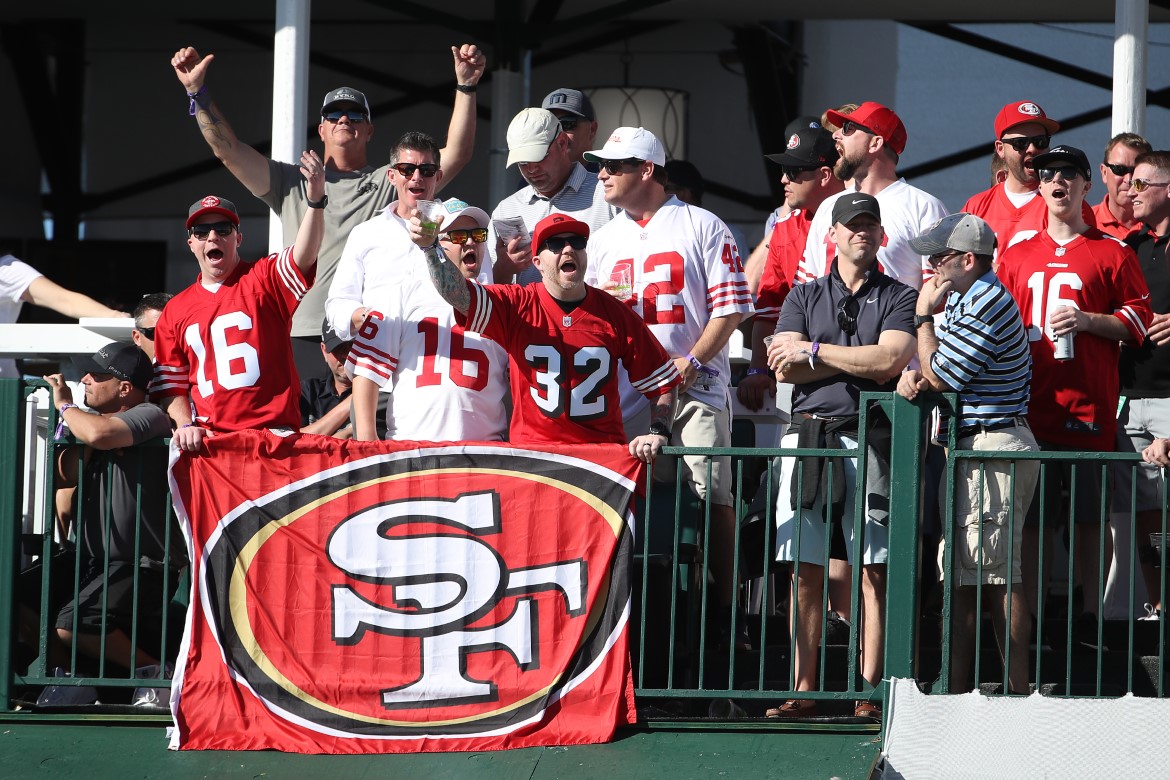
530	134
626	143
457	208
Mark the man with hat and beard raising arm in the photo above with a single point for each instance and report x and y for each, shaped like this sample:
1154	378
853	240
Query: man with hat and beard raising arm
222	345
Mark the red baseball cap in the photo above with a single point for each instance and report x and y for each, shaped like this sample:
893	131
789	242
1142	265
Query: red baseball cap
554	225
1020	112
213	205
881	120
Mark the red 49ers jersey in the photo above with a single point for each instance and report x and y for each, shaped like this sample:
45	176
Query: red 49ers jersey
564	374
685	270
785	250
1074	403
1012	225
449	384
229	349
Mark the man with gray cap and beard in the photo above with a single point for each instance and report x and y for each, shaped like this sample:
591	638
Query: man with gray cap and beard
981	353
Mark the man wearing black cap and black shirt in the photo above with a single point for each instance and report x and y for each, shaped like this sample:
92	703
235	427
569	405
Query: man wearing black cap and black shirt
838	336
578	121
806	170
325	399
111	471
356	190
1079	287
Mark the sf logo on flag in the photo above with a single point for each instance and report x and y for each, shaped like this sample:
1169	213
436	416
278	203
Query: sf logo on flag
443	591
443	584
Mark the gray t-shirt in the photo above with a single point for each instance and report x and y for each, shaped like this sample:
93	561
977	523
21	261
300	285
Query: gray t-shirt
353	199
111	478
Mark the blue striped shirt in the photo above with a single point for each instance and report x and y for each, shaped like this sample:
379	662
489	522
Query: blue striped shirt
983	353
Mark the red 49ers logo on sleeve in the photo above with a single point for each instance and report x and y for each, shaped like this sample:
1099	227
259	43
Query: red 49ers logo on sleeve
424	593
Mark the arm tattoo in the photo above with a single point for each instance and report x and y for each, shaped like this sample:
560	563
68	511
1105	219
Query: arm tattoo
447	279
662	410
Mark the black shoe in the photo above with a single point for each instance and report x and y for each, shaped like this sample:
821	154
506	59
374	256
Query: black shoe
836	629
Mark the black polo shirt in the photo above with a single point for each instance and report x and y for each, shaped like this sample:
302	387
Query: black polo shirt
1145	371
880	304
318	397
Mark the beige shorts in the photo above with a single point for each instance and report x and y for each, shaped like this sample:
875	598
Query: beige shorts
696	424
990	509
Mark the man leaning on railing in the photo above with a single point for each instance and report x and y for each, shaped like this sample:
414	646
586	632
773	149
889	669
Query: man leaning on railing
111	472
981	353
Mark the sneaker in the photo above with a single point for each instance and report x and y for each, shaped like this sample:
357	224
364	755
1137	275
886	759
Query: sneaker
1152	613
67	695
152	697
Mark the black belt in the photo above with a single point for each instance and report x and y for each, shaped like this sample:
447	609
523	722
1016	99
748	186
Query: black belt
971	430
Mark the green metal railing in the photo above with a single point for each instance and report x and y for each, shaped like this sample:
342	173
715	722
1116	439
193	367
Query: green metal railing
686	662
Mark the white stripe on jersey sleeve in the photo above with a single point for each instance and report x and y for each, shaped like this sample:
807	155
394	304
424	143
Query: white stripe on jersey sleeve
288	274
169	378
1128	315
661	377
483	308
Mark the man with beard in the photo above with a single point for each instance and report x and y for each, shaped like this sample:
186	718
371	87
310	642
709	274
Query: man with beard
806	170
1114	214
869	141
447	384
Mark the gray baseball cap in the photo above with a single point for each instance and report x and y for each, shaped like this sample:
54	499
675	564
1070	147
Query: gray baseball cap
345	95
571	100
959	232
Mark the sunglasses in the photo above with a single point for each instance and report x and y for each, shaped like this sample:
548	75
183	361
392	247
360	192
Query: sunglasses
148	332
847	315
793	171
1141	185
1119	169
406	170
1067	171
222	229
569	123
614	167
557	245
355	117
477	235
849	128
937	261
1021	144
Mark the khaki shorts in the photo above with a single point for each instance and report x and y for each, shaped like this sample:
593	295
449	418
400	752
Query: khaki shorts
984	491
696	424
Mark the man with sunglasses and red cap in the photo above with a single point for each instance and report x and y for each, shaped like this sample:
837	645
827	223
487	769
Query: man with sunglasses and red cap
870	140
356	189
1081	294
445	383
565	340
222	344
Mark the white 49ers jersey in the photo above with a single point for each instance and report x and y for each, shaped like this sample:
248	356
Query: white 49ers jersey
684	270
448	384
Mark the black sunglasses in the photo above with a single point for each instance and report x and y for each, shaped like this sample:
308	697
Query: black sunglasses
1119	169
569	123
477	235
938	260
222	229
847	314
793	171
148	332
613	167
406	170
354	116
851	127
1021	144
557	245
1048	174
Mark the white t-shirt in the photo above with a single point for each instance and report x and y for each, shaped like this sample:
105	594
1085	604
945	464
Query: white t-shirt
685	269
15	277
447	384
906	213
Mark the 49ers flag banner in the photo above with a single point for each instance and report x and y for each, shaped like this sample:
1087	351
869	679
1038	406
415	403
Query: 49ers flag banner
374	597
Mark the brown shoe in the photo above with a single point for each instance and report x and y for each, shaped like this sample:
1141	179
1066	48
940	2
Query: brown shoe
867	711
793	708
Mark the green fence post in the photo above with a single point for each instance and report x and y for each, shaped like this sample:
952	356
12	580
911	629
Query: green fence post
906	446
11	403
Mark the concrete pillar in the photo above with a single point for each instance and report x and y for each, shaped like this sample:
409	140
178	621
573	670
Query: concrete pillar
1130	42
290	83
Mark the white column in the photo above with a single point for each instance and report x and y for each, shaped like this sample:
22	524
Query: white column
1130	41
508	97
290	84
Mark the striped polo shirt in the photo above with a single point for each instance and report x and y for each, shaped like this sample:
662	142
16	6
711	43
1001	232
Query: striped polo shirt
983	353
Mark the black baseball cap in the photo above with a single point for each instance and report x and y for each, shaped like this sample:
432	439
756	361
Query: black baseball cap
1063	153
330	338
853	204
808	146
124	361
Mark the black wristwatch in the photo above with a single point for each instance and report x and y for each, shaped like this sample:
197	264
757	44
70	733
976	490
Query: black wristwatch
922	319
318	204
466	89
658	428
